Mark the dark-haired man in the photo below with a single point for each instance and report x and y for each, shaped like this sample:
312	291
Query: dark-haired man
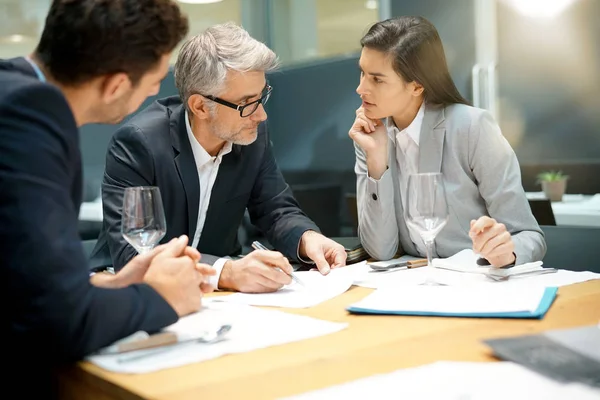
95	63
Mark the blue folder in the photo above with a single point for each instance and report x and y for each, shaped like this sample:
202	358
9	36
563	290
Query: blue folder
543	307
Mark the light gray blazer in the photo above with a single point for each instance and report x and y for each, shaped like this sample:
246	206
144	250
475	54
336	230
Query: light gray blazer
482	177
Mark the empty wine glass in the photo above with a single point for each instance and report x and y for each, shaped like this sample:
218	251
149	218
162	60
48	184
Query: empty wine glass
426	210
143	222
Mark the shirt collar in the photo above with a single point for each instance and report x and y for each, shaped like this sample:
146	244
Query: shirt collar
200	155
413	130
37	69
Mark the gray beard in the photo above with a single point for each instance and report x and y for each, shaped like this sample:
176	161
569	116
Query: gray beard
234	138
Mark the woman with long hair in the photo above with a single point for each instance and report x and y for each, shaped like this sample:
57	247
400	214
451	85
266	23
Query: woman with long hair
414	120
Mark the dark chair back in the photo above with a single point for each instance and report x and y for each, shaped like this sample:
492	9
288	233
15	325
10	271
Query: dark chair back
576	248
321	203
88	246
542	211
352	207
89	229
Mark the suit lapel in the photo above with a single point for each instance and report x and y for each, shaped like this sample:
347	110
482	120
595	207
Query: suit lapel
227	179
431	141
186	167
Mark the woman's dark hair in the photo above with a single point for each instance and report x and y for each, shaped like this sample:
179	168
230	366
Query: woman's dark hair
84	39
417	55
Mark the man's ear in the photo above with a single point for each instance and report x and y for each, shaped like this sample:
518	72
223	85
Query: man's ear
198	106
417	88
114	86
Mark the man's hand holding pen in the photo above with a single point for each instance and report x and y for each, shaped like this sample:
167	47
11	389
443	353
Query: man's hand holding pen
260	271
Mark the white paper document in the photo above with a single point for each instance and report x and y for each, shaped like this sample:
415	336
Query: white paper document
471	275
251	329
453	300
317	289
456	381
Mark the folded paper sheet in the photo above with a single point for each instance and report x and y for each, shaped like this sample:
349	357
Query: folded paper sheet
251	328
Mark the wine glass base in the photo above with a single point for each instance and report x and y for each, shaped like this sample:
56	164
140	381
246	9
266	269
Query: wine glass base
144	249
430	277
431	283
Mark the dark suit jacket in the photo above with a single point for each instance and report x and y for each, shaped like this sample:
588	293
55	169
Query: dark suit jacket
51	312
153	149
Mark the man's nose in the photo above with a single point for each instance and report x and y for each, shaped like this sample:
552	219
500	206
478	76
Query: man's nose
260	114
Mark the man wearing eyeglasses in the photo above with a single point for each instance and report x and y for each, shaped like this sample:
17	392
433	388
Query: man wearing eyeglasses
208	150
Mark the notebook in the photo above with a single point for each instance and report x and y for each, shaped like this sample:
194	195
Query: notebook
452	301
354	250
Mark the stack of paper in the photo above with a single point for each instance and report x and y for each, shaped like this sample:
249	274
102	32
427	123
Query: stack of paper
457	381
317	289
496	302
251	328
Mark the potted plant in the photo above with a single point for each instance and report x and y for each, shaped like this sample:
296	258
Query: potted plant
554	184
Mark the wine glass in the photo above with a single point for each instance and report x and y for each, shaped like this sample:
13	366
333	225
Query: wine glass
426	210
143	222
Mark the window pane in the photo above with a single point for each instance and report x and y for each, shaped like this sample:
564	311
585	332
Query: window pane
202	16
21	24
309	29
22	21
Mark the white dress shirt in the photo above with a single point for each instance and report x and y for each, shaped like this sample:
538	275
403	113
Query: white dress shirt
208	168
407	161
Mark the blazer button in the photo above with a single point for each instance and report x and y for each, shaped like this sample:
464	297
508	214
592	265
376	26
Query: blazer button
374	196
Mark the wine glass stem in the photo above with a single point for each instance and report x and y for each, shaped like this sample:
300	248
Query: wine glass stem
145	249
429	248
429	280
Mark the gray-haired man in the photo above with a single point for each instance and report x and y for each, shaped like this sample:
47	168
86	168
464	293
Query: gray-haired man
208	150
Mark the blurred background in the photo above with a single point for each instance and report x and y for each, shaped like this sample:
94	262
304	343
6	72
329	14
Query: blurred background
535	64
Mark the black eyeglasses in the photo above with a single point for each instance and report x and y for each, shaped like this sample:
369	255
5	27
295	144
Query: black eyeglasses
247	109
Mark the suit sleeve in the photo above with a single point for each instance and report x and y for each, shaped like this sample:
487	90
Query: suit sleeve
497	171
128	163
377	227
274	210
54	310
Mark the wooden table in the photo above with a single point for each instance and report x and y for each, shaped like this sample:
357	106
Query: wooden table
370	345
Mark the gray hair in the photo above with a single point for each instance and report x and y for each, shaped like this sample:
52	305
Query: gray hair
204	59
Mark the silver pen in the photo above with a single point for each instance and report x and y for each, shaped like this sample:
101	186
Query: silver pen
259	246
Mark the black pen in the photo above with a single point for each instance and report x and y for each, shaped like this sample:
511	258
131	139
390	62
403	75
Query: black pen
259	246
